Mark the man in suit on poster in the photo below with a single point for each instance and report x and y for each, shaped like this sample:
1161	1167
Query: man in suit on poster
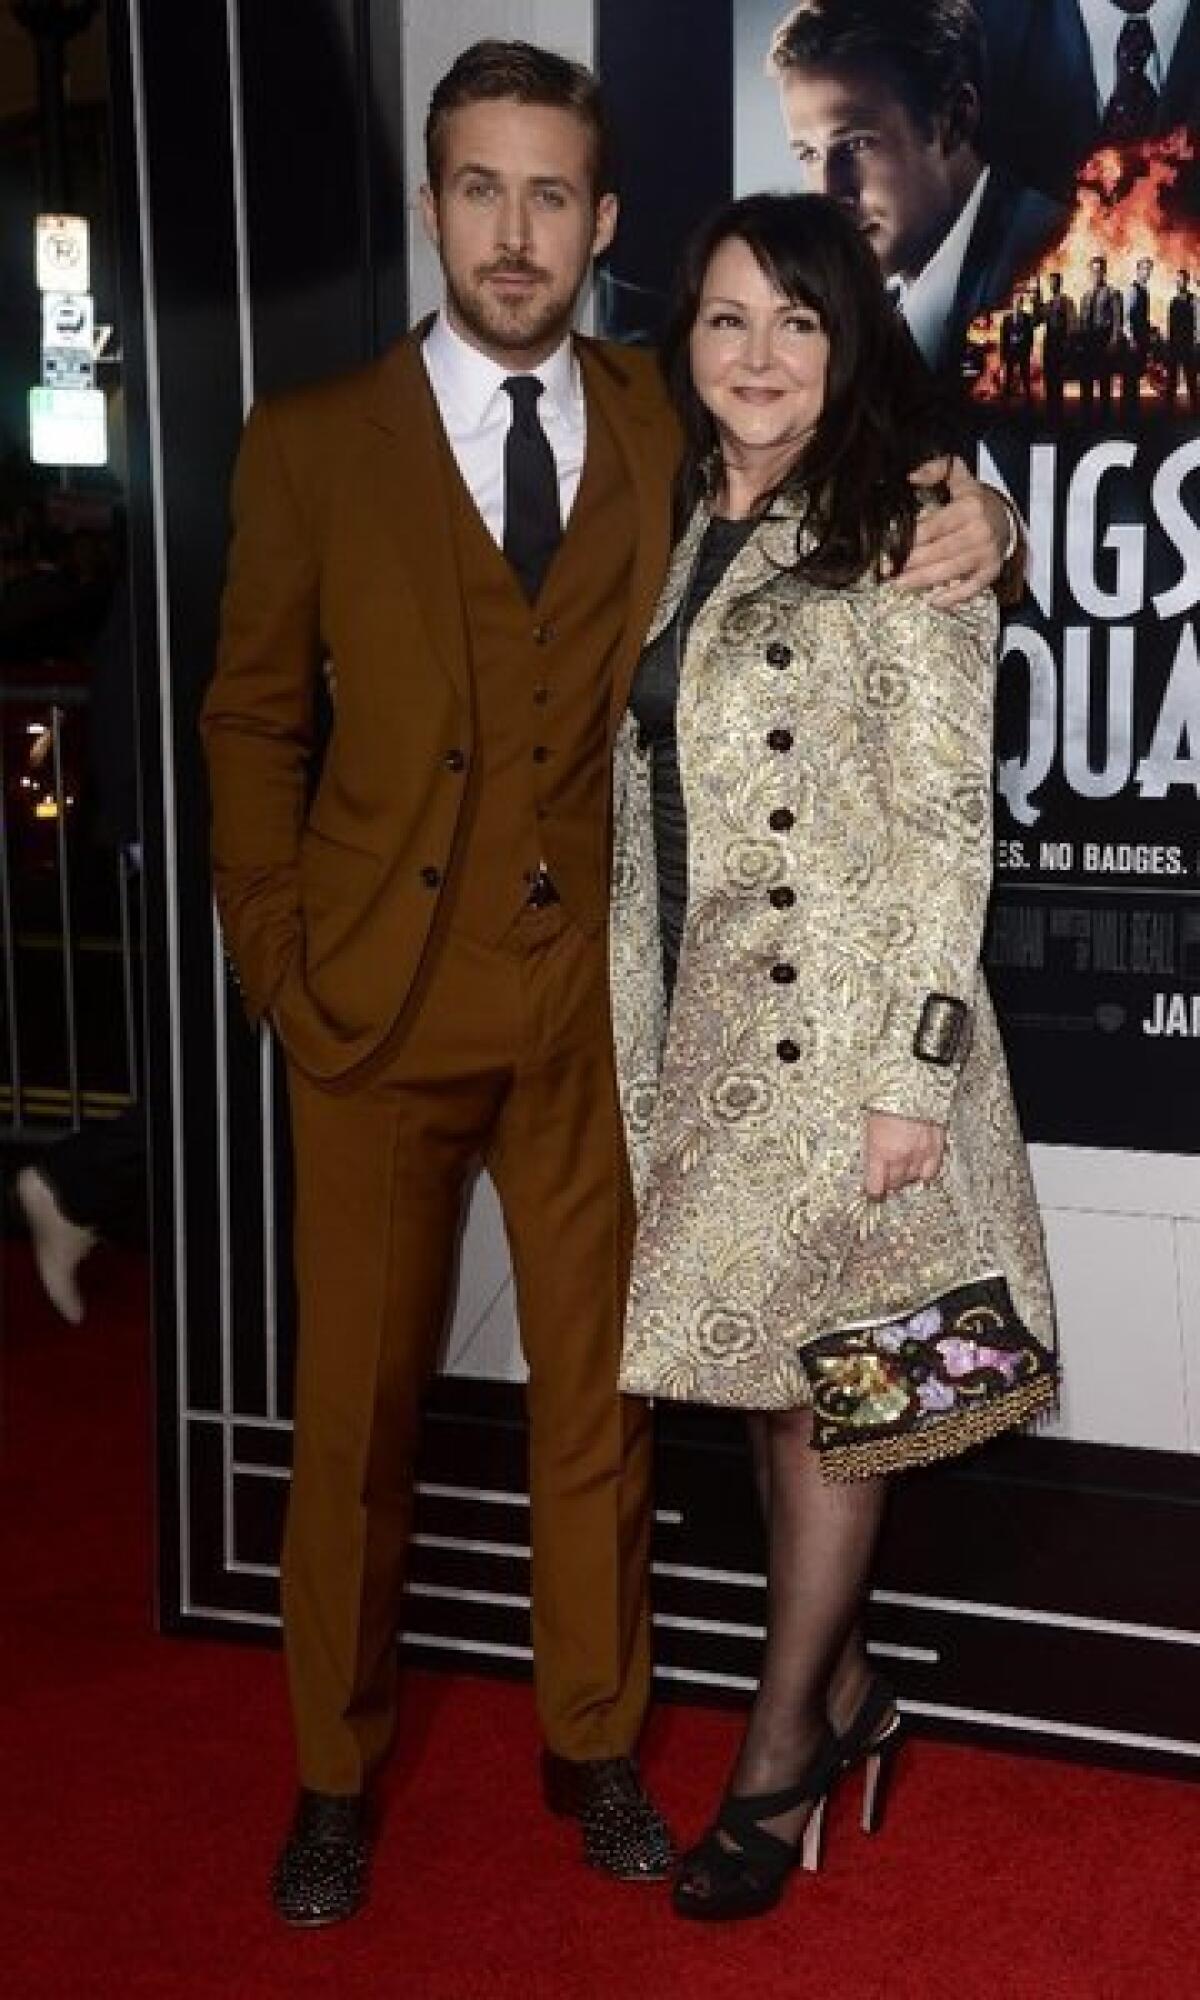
1068	76
883	105
1101	327
1059	320
1182	348
1138	337
471	532
1016	347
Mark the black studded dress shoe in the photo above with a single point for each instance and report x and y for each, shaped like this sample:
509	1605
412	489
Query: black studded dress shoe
624	1834
321	1874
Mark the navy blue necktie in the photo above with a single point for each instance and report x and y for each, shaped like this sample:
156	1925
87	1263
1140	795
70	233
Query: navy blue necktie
1131	110
532	515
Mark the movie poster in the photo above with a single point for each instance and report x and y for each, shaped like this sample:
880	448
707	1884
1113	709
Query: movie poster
1026	172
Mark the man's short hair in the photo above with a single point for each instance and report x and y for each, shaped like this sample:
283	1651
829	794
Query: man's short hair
517	70
930	49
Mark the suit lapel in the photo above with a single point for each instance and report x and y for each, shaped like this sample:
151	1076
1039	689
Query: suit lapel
975	289
415	496
769	551
1060	48
1013	229
414	491
1181	86
637	425
682	557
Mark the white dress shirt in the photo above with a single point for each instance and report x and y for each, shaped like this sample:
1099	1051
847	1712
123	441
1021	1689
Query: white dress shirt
927	300
1103	24
476	412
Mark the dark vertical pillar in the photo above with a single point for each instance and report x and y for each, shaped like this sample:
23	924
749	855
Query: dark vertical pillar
53	24
260	198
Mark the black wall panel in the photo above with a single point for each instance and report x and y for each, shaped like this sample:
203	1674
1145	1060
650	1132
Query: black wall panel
261	220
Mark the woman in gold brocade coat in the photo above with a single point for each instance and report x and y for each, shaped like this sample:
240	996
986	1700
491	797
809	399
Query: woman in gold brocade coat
837	1229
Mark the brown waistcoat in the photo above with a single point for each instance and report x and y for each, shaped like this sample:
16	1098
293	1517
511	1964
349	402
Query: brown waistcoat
541	677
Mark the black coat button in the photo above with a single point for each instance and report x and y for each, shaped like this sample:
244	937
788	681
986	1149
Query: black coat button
783	898
455	760
783	974
787	1051
431	876
779	655
780	739
540	753
781	819
541	695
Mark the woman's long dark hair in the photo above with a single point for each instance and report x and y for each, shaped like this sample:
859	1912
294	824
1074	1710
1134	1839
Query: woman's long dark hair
883	413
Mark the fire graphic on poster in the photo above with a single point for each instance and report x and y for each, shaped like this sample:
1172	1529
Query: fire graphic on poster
1127	211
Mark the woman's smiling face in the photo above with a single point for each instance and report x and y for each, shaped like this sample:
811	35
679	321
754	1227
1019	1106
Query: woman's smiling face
759	360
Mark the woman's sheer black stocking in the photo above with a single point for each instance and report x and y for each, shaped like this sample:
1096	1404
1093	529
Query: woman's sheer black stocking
822	1538
850	1673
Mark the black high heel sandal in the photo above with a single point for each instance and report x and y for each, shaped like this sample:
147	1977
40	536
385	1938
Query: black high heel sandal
744	1874
873	1739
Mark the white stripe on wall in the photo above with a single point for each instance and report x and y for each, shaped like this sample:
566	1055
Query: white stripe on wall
170	840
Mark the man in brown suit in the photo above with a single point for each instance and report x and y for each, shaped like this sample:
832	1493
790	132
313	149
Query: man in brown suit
471	534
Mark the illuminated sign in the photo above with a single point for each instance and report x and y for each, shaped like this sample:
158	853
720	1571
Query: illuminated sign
68	321
63	259
68	427
68	340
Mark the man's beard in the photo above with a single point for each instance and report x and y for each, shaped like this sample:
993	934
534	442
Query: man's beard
513	326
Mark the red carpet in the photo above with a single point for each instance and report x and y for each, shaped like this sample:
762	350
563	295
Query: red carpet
144	1782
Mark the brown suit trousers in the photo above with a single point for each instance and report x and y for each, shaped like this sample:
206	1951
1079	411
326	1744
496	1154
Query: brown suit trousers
527	1085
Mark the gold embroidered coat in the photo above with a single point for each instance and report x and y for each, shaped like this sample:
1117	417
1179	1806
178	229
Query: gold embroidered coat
835	757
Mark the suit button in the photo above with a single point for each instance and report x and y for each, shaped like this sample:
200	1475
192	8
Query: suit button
787	1051
455	761
779	655
541	695
542	634
783	898
779	739
431	876
781	819
783	974
540	754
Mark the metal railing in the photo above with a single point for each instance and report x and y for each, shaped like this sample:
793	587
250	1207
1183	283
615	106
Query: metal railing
46	1085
